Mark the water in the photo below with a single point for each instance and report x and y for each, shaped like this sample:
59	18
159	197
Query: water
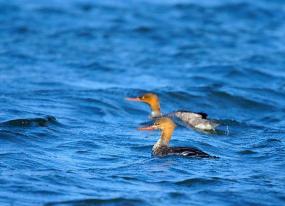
68	137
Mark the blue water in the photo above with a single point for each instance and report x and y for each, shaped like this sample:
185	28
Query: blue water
68	137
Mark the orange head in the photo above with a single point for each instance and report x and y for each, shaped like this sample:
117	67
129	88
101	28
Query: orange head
166	125
150	99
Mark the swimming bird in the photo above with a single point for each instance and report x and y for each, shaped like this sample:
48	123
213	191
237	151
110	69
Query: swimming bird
196	120
161	147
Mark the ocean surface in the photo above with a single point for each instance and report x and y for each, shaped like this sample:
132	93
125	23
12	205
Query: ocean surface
68	136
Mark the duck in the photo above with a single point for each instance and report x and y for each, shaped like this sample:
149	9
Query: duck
197	121
161	148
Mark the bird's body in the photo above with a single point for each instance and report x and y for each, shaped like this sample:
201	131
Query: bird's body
161	147
163	150
196	120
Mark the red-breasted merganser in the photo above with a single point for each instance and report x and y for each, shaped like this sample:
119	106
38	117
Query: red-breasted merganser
195	120
161	148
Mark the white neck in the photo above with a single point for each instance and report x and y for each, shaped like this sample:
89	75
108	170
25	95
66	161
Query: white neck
155	114
158	144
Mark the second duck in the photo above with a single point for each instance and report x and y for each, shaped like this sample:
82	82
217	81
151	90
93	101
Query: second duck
196	120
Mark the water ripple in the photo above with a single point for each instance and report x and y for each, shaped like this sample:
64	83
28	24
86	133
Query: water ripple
42	122
89	201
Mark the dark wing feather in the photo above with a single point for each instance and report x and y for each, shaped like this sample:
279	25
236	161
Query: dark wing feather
187	151
203	114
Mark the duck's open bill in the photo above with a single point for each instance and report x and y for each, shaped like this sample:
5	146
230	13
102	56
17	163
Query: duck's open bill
134	99
148	128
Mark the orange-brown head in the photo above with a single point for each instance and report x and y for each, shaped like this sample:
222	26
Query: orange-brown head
166	125
150	99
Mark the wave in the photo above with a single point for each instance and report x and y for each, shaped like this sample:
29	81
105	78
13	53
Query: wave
28	122
247	152
202	181
112	201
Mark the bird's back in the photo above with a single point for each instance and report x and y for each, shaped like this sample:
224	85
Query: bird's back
187	151
180	151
